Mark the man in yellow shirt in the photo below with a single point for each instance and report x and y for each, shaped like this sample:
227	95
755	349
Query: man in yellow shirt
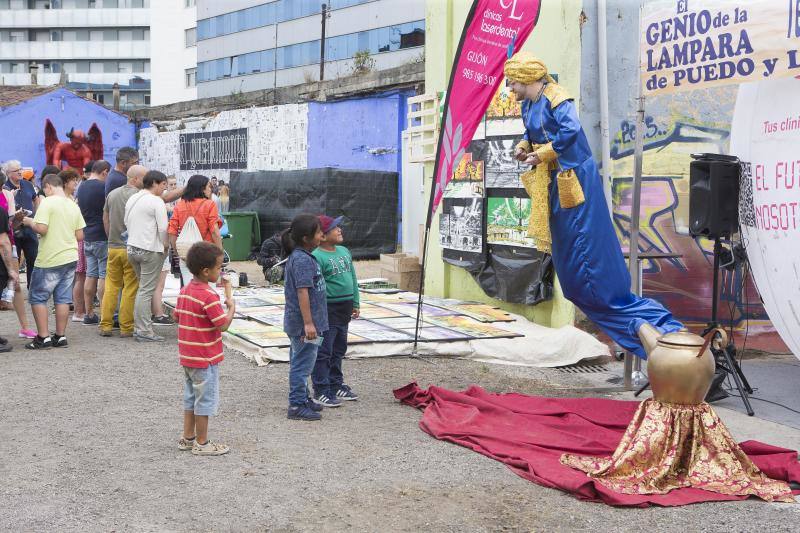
60	224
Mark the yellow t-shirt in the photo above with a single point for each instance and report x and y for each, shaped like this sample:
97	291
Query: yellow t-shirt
63	218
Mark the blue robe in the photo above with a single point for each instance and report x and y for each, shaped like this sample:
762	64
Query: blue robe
586	252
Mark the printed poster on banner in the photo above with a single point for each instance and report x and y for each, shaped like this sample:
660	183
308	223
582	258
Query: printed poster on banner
492	27
692	44
765	135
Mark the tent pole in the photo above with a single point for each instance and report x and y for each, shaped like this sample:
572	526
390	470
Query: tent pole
633	247
414	350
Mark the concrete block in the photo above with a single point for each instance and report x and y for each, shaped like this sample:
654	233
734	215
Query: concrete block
407	281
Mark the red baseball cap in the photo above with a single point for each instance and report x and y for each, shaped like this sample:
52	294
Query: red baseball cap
329	223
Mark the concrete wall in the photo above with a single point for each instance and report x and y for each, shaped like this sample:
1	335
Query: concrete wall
676	126
23	126
556	39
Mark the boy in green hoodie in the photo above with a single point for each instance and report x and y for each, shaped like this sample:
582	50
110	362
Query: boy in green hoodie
337	268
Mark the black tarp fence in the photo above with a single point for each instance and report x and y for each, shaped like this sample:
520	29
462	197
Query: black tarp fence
367	199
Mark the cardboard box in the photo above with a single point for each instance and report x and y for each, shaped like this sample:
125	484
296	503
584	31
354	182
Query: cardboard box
399	263
406	281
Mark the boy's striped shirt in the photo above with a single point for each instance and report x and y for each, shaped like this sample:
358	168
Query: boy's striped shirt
199	312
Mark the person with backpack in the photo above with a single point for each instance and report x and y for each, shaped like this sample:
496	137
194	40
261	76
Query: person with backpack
195	218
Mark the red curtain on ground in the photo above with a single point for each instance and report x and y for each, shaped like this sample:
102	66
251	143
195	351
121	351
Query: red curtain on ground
530	433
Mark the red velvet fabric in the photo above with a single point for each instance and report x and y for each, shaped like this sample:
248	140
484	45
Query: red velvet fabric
529	434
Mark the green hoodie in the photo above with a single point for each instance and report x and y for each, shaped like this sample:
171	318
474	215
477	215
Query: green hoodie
340	275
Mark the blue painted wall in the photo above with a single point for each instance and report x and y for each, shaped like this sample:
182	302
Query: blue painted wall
361	133
23	126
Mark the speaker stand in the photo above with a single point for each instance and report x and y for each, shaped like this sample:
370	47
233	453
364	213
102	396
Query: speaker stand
724	358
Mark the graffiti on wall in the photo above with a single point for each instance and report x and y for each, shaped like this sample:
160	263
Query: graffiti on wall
276	140
684	283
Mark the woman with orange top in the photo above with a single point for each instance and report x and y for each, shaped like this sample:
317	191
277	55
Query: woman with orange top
196	202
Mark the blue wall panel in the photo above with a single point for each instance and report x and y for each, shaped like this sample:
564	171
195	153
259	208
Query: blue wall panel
360	134
23	126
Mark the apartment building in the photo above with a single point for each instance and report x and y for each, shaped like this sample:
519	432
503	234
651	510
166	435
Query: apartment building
89	44
247	45
173	39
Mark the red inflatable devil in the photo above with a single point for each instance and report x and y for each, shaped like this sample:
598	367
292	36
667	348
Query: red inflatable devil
78	152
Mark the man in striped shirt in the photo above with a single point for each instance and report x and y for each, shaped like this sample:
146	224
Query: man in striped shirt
201	321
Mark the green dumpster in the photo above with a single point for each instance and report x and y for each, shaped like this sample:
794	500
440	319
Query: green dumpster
244	231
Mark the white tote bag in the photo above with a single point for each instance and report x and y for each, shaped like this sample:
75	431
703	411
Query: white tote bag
189	235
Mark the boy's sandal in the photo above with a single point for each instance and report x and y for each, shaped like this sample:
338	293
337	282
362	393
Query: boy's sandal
209	448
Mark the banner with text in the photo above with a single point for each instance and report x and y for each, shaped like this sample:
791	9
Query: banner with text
689	44
224	149
491	27
765	134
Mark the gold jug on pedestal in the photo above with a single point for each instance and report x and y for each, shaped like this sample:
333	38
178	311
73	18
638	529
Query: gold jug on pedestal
680	364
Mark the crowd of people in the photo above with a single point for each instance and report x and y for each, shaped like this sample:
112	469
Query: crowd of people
107	237
96	241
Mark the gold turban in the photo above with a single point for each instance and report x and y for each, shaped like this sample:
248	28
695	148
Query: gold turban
524	67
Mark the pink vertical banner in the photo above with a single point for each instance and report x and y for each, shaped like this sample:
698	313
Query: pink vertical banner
492	30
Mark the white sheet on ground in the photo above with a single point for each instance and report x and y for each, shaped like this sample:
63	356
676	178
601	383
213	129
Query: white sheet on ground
540	347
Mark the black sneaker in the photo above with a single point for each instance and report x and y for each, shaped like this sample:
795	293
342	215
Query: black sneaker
163	320
39	343
301	412
59	341
346	394
326	401
314	407
91	320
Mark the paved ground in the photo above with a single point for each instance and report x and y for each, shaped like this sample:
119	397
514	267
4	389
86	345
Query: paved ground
89	433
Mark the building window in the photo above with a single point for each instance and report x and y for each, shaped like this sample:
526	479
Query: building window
189	3
191	37
146	99
376	41
191	77
99	98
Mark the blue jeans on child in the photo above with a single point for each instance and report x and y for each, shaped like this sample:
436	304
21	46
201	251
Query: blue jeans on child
327	376
302	356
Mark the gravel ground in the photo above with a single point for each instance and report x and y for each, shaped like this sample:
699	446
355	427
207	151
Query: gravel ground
89	444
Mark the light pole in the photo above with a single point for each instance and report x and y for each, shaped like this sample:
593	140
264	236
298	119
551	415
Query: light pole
325	15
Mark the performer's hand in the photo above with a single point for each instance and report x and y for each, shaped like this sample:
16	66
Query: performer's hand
520	154
532	159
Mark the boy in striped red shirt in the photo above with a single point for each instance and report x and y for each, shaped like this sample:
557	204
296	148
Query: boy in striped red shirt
201	321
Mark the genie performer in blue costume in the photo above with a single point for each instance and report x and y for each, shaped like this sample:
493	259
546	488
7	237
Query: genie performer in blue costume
577	228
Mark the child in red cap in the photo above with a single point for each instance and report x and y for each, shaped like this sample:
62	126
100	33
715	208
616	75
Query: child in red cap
341	284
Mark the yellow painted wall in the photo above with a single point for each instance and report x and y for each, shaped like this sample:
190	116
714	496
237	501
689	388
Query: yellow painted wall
556	40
